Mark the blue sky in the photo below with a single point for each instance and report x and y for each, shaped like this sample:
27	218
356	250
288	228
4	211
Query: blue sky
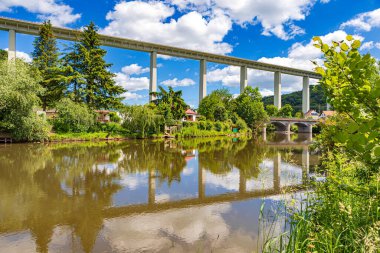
274	31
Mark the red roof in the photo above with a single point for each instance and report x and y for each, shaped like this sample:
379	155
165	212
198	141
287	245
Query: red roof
189	111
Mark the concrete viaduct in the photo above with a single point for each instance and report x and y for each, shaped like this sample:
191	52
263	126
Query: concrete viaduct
14	26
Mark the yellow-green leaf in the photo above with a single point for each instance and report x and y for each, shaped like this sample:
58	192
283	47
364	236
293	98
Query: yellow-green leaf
349	37
344	46
356	44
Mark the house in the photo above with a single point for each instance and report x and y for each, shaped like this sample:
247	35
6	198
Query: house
103	116
311	114
326	114
190	115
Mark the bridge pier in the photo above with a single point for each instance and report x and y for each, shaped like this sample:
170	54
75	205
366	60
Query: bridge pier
305	95
202	80
243	78
153	75
242	182
12	45
277	89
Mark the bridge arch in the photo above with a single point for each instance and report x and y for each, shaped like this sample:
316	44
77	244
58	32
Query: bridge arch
281	126
303	127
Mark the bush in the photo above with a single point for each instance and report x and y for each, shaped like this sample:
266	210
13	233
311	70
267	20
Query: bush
240	123
19	89
141	121
114	117
218	126
73	117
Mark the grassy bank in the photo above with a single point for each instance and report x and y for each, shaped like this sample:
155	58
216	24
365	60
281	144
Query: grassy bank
56	137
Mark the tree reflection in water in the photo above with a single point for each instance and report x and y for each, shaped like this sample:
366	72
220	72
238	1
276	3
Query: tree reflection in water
44	186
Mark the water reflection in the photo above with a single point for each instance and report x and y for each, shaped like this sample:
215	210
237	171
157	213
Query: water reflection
198	194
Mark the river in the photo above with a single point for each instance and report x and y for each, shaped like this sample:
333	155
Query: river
195	195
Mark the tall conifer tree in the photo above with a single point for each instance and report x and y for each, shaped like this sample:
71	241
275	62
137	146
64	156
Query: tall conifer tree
46	60
93	82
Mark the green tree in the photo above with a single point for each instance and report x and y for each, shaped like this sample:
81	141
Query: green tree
18	99
3	55
92	82
46	60
141	120
73	117
216	106
352	84
170	103
286	111
272	110
250	108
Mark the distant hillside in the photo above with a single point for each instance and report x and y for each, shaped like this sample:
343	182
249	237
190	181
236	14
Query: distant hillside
317	99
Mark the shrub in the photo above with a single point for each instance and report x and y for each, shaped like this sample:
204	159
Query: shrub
18	96
114	117
218	126
240	123
73	117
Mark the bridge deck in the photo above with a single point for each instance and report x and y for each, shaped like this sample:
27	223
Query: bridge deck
32	28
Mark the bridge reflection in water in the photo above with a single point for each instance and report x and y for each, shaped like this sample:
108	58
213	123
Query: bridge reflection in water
78	198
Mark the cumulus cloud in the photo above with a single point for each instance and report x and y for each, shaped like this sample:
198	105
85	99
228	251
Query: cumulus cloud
369	45
58	13
178	82
131	96
364	21
155	22
132	83
22	55
300	55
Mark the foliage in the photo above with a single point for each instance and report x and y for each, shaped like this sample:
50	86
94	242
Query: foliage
73	117
250	108
170	104
216	106
286	111
84	136
343	214
114	117
317	99
272	110
142	121
18	99
92	80
3	55
46	61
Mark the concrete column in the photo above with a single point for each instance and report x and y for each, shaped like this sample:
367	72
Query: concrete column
152	187
305	95
277	89
305	164
328	107
243	78
12	45
202	80
153	75
277	171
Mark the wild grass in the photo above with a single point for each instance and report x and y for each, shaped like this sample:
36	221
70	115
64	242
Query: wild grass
342	215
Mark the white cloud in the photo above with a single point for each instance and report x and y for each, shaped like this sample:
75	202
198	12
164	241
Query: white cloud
132	96
369	45
299	56
178	82
275	16
134	69
125	80
364	21
58	13
154	22
22	55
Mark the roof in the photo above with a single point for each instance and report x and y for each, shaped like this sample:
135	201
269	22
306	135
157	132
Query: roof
309	112
190	112
102	111
328	113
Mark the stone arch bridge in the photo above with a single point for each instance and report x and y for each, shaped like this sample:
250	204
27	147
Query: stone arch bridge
284	124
